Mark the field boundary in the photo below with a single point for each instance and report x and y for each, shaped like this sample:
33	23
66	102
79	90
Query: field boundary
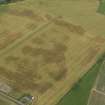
10	98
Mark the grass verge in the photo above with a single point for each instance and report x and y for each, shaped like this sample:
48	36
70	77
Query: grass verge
101	8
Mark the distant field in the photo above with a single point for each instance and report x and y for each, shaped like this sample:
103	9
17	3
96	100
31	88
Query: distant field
82	12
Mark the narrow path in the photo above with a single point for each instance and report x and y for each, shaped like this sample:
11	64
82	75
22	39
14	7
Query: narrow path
21	40
7	97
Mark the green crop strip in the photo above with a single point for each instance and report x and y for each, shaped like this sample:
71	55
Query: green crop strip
80	92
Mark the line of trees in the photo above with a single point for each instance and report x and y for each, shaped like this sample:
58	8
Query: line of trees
8	1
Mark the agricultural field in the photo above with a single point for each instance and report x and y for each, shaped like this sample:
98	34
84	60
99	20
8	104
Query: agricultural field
79	94
24	19
82	12
48	61
45	53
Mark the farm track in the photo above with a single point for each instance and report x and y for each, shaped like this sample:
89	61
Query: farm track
21	40
10	98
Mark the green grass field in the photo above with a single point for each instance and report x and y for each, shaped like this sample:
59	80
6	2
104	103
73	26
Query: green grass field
80	93
101	8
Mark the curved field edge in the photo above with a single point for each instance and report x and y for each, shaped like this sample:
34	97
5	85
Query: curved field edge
79	94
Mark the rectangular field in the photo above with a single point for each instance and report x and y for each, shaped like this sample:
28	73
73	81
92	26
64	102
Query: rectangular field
82	12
